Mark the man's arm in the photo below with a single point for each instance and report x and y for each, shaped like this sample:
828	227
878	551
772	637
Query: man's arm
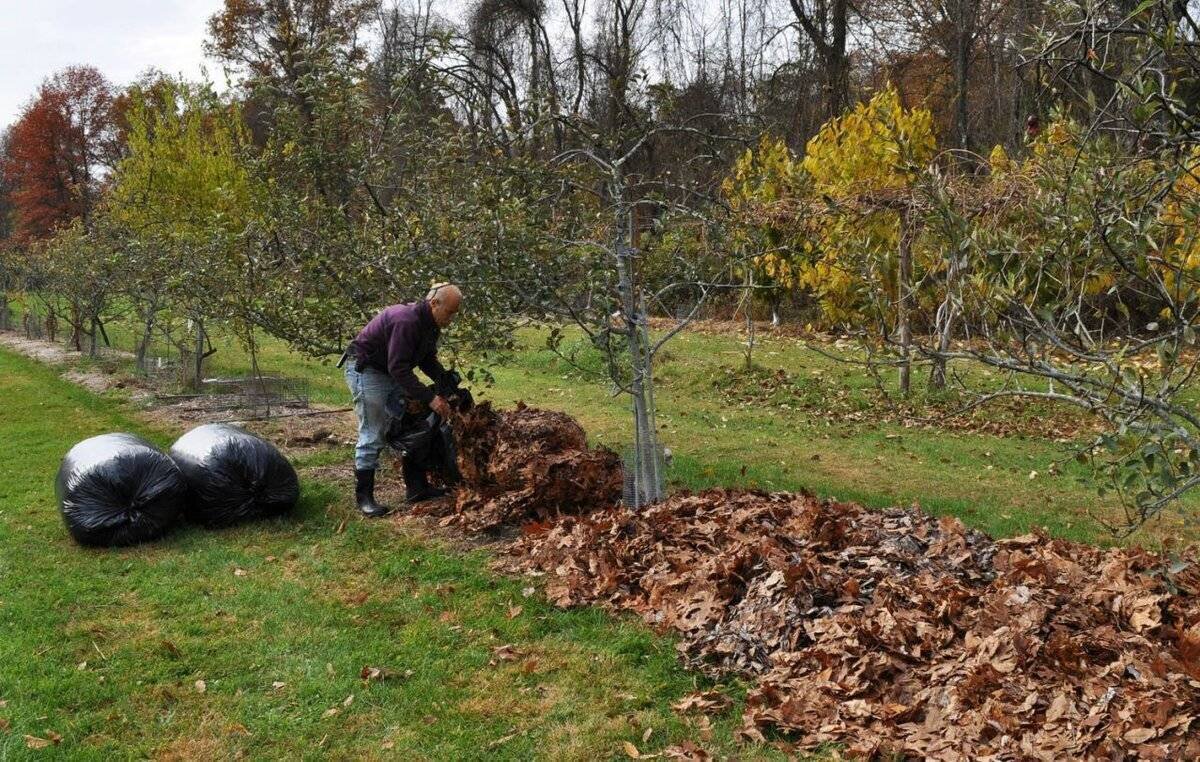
402	345
430	366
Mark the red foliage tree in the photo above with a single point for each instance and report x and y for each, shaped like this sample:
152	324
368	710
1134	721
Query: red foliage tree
59	152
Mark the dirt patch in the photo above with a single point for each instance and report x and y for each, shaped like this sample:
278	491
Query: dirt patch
737	328
95	381
43	351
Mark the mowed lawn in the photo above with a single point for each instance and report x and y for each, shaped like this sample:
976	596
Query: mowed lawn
252	641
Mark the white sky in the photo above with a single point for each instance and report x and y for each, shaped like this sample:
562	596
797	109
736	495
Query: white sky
121	38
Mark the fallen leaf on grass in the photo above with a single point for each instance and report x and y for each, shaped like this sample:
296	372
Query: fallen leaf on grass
368	673
51	739
330	712
859	627
349	700
631	751
239	572
502	740
647	734
171	648
687	752
387	745
702	701
278	685
503	653
515	612
201	686
4	725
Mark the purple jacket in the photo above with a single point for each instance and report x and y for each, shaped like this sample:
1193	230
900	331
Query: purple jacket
398	339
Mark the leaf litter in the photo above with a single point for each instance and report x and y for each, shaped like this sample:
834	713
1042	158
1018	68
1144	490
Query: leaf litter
890	632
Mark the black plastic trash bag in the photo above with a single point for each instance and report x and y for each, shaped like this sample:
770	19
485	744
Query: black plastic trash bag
233	476
118	489
422	438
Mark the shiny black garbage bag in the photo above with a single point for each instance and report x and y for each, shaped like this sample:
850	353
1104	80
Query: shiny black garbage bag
233	476
423	439
118	489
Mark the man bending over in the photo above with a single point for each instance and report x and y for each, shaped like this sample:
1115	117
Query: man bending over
397	340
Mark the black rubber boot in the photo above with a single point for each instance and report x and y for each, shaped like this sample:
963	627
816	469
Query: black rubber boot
416	485
364	493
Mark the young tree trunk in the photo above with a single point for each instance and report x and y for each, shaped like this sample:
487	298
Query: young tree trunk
76	331
904	303
198	357
641	385
92	336
748	301
147	331
946	313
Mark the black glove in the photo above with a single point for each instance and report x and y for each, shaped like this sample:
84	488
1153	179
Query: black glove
449	388
447	385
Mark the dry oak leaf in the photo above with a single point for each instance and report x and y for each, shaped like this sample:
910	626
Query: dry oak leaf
369	673
702	701
503	653
687	752
51	739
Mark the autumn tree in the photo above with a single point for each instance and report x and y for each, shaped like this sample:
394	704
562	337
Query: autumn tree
59	152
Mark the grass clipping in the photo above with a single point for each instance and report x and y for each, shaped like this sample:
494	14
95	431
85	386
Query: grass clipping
891	632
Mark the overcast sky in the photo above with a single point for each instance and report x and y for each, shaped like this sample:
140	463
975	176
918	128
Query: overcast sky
121	38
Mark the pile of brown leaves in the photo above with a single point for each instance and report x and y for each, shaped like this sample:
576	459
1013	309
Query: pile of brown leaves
887	631
894	632
527	465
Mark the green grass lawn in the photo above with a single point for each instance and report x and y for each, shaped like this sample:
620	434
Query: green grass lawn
251	641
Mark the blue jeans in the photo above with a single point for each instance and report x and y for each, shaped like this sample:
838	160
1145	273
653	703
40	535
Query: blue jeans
370	390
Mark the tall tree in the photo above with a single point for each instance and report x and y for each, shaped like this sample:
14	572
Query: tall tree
826	23
60	151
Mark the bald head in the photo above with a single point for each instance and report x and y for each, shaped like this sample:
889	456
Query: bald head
444	300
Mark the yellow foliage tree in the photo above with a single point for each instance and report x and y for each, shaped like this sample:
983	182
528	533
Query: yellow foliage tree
762	183
1181	218
859	162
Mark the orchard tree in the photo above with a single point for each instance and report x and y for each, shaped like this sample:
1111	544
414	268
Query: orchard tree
76	274
184	199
